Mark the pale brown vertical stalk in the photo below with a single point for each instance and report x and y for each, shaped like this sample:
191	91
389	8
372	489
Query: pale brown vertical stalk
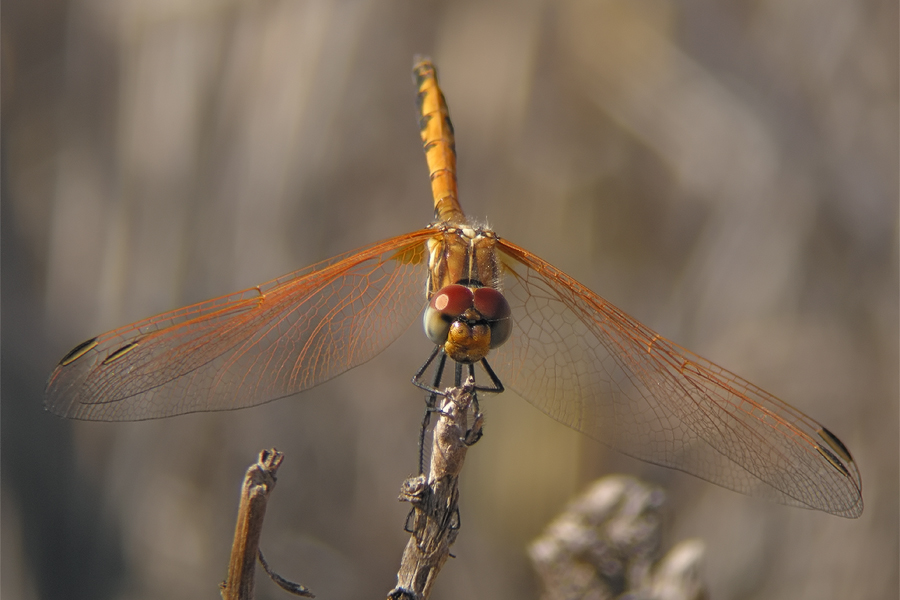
434	520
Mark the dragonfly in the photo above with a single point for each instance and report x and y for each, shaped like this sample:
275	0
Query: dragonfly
550	339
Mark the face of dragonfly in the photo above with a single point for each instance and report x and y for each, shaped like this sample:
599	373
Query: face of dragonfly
563	348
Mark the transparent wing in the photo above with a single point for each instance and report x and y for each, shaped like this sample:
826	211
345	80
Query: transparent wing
250	347
590	366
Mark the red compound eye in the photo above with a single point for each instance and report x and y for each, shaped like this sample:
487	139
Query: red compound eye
491	304
495	310
452	300
445	307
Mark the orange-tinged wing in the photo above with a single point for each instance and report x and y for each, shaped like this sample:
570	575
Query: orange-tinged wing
250	347
587	364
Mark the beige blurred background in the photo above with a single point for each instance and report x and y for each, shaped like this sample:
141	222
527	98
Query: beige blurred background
723	170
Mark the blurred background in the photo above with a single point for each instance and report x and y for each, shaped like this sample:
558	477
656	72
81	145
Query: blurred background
725	171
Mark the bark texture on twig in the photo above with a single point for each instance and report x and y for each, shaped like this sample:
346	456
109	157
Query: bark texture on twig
605	544
434	520
259	481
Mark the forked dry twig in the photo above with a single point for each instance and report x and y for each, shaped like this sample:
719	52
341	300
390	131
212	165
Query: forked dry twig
259	482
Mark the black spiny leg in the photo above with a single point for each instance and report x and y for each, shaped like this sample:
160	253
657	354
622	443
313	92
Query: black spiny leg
475	390
498	385
432	398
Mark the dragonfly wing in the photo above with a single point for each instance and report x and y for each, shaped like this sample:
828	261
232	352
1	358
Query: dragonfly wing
587	364
250	347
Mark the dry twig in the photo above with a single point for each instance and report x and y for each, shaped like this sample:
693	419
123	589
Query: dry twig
258	484
434	520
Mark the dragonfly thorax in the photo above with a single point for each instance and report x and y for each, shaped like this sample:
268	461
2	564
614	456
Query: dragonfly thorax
467	321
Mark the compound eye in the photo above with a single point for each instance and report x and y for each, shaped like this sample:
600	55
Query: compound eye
492	305
445	307
452	300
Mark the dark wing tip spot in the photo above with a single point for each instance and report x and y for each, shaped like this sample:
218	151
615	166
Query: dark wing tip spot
835	462
78	351
120	353
836	444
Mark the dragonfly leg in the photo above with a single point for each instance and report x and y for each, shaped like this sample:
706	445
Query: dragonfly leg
474	389
497	384
431	401
495	387
417	378
474	434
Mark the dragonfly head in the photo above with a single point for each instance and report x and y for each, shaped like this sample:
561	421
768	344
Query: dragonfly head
467	321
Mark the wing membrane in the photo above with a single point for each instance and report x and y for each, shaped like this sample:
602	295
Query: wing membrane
249	347
587	364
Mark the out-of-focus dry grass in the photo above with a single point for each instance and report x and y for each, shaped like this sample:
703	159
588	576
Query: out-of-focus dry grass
724	171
